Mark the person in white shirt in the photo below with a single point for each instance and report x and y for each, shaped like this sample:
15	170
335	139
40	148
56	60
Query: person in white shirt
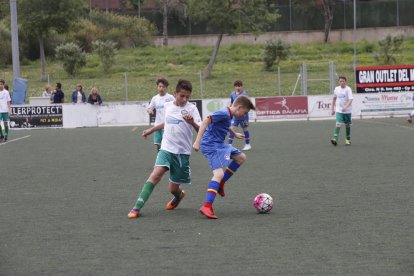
342	107
5	111
157	106
48	93
181	117
78	96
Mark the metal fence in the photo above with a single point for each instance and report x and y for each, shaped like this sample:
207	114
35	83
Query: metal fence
378	13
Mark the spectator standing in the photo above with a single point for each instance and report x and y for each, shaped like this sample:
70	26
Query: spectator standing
59	96
48	93
78	96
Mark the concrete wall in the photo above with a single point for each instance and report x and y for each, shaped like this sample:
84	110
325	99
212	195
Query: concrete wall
370	34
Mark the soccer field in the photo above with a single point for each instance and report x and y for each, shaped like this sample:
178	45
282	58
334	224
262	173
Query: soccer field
346	210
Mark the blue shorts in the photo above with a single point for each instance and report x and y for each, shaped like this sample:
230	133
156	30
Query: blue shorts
219	157
244	122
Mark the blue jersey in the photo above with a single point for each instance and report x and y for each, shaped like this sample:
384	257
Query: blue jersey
217	131
233	97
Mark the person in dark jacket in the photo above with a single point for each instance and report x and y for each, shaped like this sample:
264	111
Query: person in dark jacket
78	96
94	98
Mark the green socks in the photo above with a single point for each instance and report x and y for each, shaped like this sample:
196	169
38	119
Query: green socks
336	132
348	133
144	195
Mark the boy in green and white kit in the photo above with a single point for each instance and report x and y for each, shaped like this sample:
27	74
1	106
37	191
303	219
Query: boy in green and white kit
5	111
181	117
342	106
157	105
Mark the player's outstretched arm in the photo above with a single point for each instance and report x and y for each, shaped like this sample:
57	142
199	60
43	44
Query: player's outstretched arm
202	129
149	131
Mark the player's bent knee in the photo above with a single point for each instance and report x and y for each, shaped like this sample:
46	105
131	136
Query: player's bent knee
240	158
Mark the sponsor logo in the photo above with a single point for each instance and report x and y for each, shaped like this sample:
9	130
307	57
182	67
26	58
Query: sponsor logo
284	106
323	105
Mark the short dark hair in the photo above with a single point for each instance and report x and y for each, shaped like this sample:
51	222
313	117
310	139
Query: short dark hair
244	101
59	85
2	81
342	77
184	85
163	81
237	83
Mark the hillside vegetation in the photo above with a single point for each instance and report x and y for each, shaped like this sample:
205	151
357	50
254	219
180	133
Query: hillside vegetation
133	75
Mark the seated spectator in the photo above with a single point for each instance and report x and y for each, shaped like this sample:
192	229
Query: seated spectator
94	97
78	96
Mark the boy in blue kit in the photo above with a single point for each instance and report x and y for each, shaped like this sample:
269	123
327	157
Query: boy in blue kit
211	140
243	121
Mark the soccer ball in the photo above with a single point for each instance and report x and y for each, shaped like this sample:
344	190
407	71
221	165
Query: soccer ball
263	203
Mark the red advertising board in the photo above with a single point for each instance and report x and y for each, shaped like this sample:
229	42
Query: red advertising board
282	107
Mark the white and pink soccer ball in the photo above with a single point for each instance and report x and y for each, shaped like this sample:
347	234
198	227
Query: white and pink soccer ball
263	203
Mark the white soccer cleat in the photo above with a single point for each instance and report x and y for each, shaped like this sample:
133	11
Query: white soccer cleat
247	147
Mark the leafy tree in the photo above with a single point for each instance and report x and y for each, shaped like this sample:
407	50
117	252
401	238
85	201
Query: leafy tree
136	4
40	17
106	51
166	7
389	46
274	53
325	7
5	44
72	57
225	16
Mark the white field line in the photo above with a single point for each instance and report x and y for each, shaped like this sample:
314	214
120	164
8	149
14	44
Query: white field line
14	140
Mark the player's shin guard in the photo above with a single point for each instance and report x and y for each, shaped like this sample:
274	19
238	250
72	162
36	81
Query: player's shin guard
213	187
348	133
336	132
230	170
144	195
247	137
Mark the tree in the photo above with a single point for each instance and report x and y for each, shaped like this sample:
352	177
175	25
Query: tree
166	7
389	46
230	17
106	51
40	17
136	4
324	6
274	53
72	57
